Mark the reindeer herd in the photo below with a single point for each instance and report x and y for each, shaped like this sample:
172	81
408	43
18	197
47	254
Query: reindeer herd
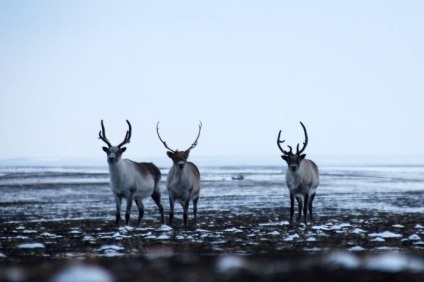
135	181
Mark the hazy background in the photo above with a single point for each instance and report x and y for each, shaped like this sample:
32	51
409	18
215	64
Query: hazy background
352	71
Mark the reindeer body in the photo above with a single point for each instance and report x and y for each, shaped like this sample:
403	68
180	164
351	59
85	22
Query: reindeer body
302	185
131	181
184	186
183	183
302	178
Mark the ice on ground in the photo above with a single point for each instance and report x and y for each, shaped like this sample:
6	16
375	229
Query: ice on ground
2	255
398	226
83	273
311	239
31	246
392	262
378	239
385	234
419	226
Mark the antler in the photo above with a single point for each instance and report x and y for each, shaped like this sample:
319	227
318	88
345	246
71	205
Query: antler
127	136
163	142
281	142
304	143
102	135
195	141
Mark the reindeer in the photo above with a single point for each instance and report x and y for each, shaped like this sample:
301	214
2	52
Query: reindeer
302	178
183	181
131	180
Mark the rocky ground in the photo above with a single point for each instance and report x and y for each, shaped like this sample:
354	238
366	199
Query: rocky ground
226	246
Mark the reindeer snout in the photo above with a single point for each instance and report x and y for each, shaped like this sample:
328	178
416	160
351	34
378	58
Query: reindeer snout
293	167
111	159
181	166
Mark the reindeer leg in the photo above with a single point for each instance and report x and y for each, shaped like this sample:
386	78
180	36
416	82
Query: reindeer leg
195	211
310	207
156	198
185	208
300	208
129	206
171	210
305	209
140	207
118	200
291	208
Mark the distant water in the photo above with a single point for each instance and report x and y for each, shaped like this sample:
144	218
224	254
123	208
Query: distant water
55	193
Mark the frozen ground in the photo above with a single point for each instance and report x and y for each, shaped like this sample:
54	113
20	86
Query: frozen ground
368	219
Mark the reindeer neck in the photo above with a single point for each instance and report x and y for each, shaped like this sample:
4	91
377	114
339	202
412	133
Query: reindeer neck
116	170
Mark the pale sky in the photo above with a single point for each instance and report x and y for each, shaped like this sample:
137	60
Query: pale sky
352	71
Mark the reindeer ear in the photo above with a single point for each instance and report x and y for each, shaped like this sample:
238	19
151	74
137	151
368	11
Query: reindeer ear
123	149
170	154
186	154
284	157
302	156
106	149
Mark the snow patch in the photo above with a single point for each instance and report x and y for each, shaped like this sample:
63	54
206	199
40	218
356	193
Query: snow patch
414	237
291	237
234	230
31	246
358	231
378	239
163	237
342	259
356	249
385	234
165	228
230	263
274	233
392	262
83	273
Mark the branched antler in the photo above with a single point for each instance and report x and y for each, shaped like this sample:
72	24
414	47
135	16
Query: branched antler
102	135
163	142
197	138
279	142
127	136
304	143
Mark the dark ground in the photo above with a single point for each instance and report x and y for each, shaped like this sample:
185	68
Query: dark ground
254	246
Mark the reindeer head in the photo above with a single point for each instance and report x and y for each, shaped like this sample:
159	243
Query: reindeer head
293	160
179	158
114	153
